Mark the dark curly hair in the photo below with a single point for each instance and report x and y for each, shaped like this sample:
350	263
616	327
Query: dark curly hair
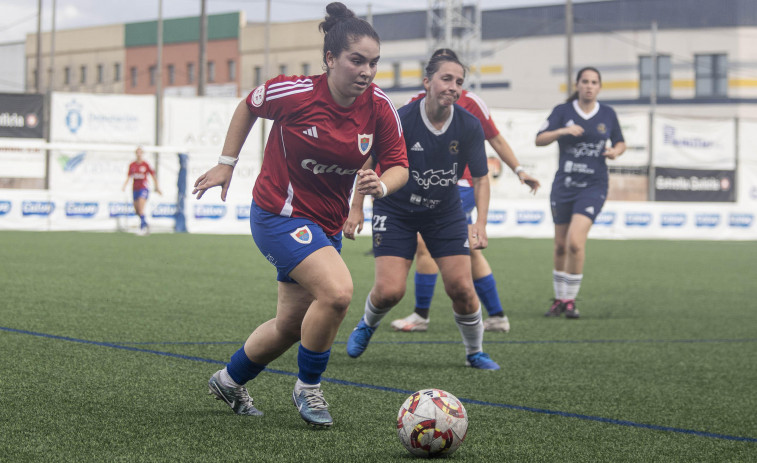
341	28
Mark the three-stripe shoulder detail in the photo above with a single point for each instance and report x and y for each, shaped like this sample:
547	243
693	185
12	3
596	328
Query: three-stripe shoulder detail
380	93
283	89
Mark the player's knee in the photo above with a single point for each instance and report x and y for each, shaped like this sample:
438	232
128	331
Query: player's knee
560	249
575	248
462	292
386	296
339	299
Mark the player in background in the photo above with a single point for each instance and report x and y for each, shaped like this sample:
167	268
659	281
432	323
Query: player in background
483	279
325	127
441	139
588	133
138	171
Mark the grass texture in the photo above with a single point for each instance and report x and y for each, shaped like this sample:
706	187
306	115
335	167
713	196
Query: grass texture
108	341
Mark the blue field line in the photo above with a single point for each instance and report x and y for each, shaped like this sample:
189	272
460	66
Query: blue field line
400	391
565	341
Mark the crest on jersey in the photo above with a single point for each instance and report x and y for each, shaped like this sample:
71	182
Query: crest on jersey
601	128
454	147
258	95
302	235
364	143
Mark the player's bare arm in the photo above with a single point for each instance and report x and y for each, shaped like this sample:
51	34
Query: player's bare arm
478	229
505	152
614	151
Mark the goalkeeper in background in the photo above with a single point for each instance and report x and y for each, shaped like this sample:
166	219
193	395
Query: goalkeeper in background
138	171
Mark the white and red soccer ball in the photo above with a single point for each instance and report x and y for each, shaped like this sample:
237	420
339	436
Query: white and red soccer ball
432	422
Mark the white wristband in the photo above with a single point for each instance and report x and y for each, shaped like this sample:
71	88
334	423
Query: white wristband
228	160
383	189
518	170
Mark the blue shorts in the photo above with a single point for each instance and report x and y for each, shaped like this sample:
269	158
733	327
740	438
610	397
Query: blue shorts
468	201
395	232
588	203
143	193
287	241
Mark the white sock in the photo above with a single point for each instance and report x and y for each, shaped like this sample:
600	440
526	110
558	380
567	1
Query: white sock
373	315
572	285
472	330
559	284
299	385
226	380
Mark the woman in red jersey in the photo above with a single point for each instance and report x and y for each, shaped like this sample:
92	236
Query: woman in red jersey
138	171
325	127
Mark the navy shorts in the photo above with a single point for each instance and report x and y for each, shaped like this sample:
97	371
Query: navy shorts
468	201
287	241
395	232
588	203
143	193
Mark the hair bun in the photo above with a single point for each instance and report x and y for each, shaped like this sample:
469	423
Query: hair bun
335	12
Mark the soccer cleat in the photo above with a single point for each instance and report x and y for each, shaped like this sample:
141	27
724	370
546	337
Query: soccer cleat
482	361
497	323
359	339
236	397
412	322
570	309
312	407
558	307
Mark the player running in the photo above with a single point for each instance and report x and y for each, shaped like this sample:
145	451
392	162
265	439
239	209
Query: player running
583	129
325	127
442	139
138	171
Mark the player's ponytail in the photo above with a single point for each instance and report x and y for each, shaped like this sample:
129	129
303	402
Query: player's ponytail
341	27
574	96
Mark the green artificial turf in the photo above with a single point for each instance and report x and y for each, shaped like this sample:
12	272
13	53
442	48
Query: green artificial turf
108	341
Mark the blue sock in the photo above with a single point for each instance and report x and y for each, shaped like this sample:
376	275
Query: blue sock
312	364
142	221
241	368
424	291
486	288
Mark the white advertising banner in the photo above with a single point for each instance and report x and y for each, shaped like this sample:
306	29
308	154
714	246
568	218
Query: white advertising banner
746	181
694	143
128	119
519	128
18	163
200	124
635	127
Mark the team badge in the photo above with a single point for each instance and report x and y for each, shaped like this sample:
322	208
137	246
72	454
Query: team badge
302	235
601	128
454	147
377	239
258	95
364	143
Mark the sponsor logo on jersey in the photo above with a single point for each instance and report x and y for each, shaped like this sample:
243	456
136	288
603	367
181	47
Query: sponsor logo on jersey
243	212
41	208
433	177
707	220
530	217
311	132
605	218
5	207
734	220
454	147
313	166
258	96
164	210
209	211
417	147
80	209
74	119
496	216
677	219
120	209
365	142
302	235
638	219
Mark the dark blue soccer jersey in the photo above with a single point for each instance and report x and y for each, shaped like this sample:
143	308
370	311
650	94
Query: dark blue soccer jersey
438	158
582	164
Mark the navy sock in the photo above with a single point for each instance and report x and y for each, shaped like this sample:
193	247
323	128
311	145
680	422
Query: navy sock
486	288
311	364
424	292
241	368
142	221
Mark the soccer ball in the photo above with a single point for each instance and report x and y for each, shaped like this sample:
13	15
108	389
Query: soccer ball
432	422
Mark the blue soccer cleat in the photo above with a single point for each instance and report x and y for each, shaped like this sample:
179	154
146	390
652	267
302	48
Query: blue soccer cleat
482	361
359	339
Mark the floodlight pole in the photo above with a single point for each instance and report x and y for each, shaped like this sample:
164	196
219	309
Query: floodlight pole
568	47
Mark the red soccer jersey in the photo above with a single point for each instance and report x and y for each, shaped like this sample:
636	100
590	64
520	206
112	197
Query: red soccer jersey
138	172
476	106
316	147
